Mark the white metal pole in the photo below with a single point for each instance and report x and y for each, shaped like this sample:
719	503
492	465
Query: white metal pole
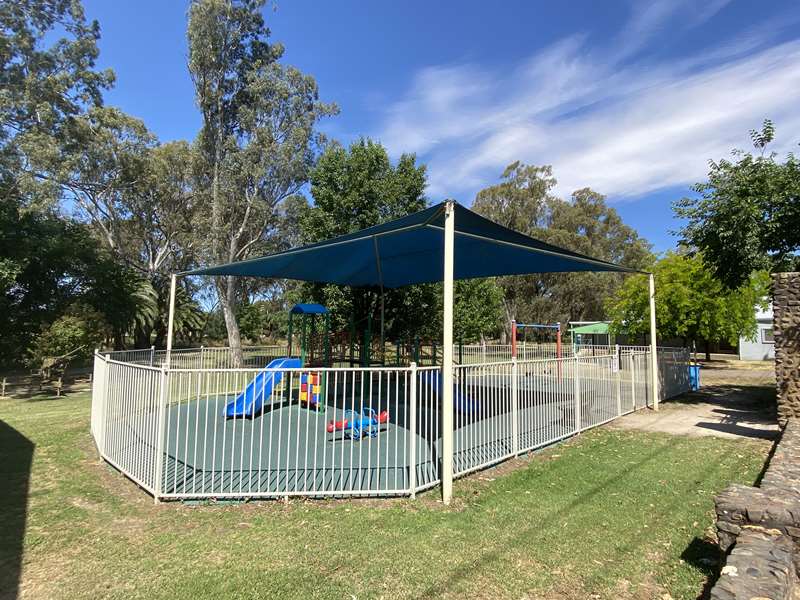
412	428
653	347
447	357
170	322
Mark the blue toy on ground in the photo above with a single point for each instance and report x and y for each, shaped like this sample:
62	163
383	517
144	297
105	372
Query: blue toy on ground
356	426
258	391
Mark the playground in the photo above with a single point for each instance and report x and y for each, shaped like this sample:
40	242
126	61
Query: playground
351	413
77	528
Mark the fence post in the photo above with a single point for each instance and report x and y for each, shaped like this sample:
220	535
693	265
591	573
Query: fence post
633	380
514	405
161	431
202	364
617	368
577	394
412	431
152	355
483	351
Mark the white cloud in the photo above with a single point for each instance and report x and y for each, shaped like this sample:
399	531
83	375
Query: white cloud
622	127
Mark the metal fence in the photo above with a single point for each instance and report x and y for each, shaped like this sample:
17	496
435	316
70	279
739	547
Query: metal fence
185	432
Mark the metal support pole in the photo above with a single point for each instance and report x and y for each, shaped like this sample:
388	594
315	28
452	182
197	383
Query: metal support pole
152	355
618	372
577	393
412	432
514	405
513	338
653	347
161	429
171	321
447	359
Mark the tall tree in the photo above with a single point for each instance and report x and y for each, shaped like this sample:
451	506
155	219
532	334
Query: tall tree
746	217
48	78
524	201
44	85
358	187
258	139
691	303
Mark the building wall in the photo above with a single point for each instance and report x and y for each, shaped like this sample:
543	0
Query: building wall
763	346
786	326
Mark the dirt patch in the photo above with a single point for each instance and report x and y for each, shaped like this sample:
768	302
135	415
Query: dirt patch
737	399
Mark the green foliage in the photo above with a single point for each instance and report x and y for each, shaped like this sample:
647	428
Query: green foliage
47	77
81	329
478	309
747	215
45	268
524	202
691	303
358	187
262	320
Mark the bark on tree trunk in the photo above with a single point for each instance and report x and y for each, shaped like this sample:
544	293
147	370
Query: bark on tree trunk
227	299
708	350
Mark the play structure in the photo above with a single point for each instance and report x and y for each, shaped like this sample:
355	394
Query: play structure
313	331
550	331
250	402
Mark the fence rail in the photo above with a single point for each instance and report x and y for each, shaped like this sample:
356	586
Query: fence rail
193	431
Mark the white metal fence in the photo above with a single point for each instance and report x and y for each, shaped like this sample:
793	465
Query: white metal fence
215	432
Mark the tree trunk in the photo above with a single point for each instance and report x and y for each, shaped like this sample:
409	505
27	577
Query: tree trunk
227	299
141	336
708	350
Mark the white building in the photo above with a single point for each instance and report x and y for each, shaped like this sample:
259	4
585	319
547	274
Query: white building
763	347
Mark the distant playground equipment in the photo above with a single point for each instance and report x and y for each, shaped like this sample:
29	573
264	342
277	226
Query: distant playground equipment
357	425
526	328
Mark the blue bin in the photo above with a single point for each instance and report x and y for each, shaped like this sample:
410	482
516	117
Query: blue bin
694	377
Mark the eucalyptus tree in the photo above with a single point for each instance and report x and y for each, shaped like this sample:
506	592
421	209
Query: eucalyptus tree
47	77
525	201
258	139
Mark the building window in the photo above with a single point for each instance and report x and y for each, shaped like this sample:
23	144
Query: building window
766	336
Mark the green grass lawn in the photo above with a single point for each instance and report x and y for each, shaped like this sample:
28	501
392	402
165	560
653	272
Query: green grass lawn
610	515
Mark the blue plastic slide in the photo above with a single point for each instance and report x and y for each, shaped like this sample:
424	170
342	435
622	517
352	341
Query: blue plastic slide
250	401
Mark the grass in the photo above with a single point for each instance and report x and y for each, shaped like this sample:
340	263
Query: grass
612	514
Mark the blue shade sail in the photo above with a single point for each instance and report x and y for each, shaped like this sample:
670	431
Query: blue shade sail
410	250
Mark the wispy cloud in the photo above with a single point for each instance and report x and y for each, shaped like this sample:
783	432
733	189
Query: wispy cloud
603	119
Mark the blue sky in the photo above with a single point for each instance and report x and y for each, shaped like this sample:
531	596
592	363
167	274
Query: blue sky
629	98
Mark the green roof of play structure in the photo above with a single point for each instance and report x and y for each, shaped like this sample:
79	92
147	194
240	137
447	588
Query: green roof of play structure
597	328
410	250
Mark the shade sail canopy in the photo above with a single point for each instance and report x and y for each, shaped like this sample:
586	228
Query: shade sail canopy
308	309
410	250
591	328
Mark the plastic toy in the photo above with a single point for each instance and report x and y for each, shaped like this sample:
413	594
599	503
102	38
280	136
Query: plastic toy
310	389
357	425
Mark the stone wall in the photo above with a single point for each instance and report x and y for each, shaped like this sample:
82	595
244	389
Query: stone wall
760	527
786	329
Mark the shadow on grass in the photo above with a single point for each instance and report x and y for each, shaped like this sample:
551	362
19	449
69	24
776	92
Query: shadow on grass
705	556
16	457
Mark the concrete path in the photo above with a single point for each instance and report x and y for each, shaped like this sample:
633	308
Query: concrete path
737	399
